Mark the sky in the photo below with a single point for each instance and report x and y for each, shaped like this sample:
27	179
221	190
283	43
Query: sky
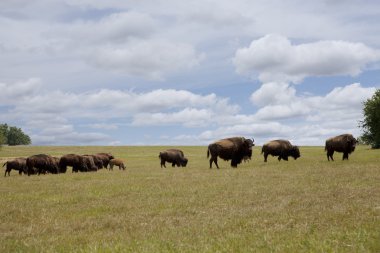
92	72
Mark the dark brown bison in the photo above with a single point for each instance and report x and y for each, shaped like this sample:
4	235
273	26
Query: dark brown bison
344	143
77	162
173	156
105	158
117	162
281	148
18	164
98	162
41	163
235	149
90	163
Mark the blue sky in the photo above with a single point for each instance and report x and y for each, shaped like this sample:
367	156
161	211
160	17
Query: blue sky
91	72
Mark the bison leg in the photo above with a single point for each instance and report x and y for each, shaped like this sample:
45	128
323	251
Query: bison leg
163	163
279	158
215	160
330	154
345	156
234	162
285	158
265	157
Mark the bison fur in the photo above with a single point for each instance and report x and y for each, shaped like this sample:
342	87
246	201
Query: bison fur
18	164
281	148
173	156
344	143
117	162
235	149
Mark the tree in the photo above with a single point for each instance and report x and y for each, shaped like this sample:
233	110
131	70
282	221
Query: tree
3	134
13	136
371	122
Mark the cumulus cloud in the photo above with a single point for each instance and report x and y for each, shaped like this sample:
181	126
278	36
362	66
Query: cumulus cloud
48	114
188	117
275	58
149	58
12	93
273	92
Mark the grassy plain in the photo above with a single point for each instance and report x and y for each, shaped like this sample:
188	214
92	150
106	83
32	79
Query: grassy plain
308	205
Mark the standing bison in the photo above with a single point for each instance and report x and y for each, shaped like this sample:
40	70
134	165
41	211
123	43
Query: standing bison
97	161
281	148
117	162
105	158
77	162
344	143
235	149
41	163
18	164
173	156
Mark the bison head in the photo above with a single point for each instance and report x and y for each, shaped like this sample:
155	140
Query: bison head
295	152
351	143
184	162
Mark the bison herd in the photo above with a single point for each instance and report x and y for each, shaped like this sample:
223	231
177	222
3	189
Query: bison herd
235	149
43	163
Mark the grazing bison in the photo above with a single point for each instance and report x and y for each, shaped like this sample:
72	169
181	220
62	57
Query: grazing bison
117	162
41	163
77	162
90	163
18	164
105	158
173	156
98	162
235	149
281	148
344	143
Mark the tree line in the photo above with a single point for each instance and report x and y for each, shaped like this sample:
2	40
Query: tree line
11	135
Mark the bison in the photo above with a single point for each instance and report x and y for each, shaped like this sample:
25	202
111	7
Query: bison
117	162
89	163
235	149
98	162
41	163
77	162
18	164
105	158
281	148
344	143
173	156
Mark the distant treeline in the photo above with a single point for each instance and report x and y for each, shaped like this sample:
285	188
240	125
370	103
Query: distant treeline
11	135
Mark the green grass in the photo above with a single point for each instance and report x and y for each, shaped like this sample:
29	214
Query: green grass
308	205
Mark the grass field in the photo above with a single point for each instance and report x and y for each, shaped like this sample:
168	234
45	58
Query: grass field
308	205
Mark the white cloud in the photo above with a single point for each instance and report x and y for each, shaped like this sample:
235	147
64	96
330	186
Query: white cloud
276	59
117	27
14	92
48	114
189	117
273	93
149	58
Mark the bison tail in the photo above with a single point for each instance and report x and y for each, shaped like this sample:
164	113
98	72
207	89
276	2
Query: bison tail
159	155
5	163
208	152
262	150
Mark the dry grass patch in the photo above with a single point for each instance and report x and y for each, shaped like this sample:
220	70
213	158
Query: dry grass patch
308	205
